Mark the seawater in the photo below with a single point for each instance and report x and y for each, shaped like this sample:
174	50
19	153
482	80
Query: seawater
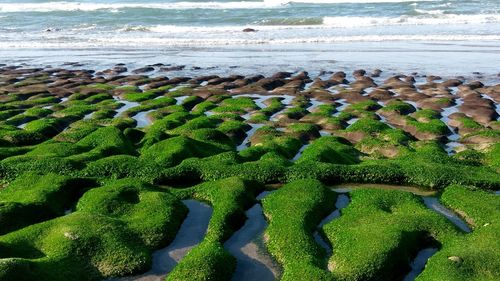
32	29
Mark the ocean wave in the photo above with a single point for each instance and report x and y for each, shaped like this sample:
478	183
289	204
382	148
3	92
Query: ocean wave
320	23
155	42
290	21
114	7
349	1
138	28
173	29
408	20
429	12
84	27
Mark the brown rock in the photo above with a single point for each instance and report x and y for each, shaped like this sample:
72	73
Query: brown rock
143	70
376	73
172	68
435	103
359	73
363	82
451	83
432	78
281	75
381	94
396	83
339	77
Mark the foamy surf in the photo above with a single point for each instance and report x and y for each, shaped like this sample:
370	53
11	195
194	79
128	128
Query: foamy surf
349	1
87	7
449	19
321	23
168	24
155	42
429	12
95	6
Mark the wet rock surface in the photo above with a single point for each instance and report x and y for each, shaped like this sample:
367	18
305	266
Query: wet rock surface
177	131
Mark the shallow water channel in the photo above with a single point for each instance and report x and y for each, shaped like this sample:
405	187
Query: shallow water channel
142	119
126	105
419	262
299	153
433	203
191	233
247	246
342	202
246	142
287	102
452	143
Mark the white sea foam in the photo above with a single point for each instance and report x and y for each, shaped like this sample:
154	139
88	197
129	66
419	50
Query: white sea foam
115	7
152	42
348	1
407	20
429	12
84	27
195	29
179	29
325	23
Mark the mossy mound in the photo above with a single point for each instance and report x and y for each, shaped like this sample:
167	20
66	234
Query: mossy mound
112	233
86	194
474	256
33	198
397	219
293	212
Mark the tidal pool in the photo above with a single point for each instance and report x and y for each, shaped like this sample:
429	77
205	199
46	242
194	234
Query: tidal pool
126	105
287	101
88	116
314	104
142	119
343	105
180	100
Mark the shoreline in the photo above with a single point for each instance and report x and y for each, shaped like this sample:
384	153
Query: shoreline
446	58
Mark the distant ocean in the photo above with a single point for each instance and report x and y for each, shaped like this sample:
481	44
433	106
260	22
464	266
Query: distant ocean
177	25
